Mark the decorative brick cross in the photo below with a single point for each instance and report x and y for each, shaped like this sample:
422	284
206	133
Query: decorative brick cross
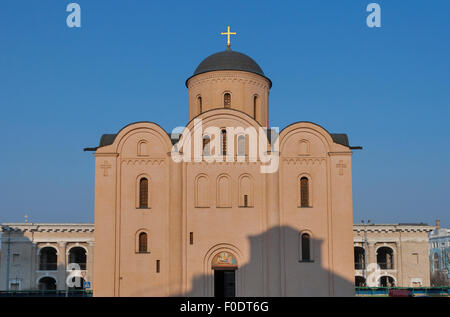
341	167
105	167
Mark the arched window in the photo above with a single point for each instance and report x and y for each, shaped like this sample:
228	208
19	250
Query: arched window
48	259
386	281
78	255
142	148
224	141
227	100
306	247
304	192
359	253
142	242
385	258
143	193
47	283
436	261
360	281
199	104
255	105
241	145
206	145
245	191
303	147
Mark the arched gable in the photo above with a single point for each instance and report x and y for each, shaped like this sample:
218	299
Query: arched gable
305	139
129	141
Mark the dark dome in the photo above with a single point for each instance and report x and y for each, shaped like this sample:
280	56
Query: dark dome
229	60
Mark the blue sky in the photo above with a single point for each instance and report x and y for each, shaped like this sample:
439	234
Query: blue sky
387	88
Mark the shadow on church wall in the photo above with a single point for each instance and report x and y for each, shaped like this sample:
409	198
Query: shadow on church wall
290	277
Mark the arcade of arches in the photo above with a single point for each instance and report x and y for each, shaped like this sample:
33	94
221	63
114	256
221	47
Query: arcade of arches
391	255
43	255
47	268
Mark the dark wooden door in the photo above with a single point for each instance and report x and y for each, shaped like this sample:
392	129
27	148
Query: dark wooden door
224	283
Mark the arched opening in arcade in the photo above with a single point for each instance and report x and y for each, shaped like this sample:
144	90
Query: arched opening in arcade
47	283
77	283
48	259
359	258
78	255
387	281
360	281
385	258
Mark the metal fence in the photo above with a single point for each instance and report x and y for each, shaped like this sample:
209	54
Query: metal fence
359	291
36	293
414	291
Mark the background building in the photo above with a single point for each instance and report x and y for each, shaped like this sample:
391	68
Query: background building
400	250
440	255
41	256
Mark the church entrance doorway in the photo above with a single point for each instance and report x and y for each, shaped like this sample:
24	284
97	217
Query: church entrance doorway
224	283
224	265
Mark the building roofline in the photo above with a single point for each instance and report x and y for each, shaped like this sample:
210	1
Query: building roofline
46	227
406	227
47	223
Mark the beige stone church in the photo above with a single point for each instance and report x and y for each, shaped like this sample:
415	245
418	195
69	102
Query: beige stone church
211	227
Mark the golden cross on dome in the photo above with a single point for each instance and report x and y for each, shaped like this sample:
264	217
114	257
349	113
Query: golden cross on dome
228	33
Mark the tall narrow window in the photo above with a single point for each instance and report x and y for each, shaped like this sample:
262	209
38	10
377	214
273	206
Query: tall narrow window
436	261
255	106
142	242
245	200
206	145
241	145
359	254
224	141
143	193
304	192
306	250
199	104
227	100
158	266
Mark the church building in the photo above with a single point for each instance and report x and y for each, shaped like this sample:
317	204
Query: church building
222	223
